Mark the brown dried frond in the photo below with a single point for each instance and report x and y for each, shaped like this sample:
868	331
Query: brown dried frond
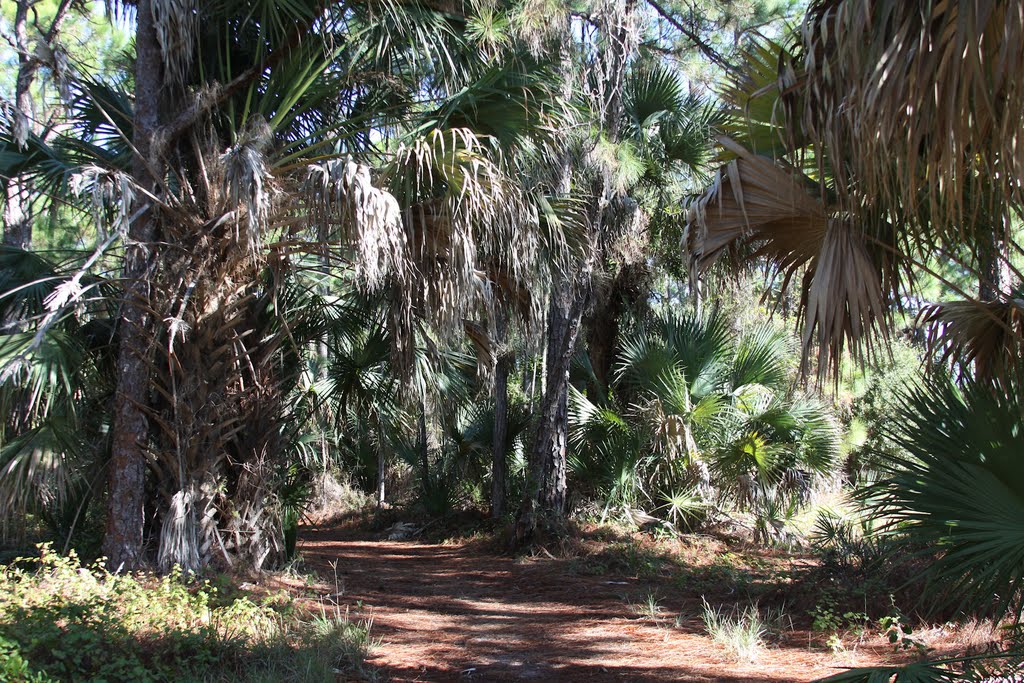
918	106
989	334
757	209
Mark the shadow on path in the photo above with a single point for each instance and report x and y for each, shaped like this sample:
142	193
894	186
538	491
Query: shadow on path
451	613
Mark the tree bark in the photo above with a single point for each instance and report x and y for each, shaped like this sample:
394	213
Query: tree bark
17	214
628	292
499	462
421	440
994	276
544	503
123	542
18	209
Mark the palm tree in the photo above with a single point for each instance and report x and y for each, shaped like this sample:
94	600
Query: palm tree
666	146
643	132
859	175
243	156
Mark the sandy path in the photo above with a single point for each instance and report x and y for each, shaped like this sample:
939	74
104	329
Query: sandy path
450	613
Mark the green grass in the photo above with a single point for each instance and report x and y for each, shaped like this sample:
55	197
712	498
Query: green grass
741	633
60	621
648	608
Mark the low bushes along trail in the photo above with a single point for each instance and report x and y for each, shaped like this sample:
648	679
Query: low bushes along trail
457	613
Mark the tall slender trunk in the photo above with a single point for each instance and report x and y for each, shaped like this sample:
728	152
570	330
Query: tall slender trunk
421	441
18	208
544	502
994	276
545	497
17	214
122	544
381	473
499	462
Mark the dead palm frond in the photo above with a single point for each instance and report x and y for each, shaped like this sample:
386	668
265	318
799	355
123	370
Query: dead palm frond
753	199
759	209
884	126
987	334
920	103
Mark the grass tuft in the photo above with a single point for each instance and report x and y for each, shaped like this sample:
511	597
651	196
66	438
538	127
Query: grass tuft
741	633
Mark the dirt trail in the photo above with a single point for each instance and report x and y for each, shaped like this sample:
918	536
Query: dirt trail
451	613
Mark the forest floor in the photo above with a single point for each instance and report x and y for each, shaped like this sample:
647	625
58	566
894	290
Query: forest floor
605	607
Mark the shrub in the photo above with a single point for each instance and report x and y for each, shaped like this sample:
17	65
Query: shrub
61	621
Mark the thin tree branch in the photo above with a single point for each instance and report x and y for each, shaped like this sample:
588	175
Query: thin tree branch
709	52
58	18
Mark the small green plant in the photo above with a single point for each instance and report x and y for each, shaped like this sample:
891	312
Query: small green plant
826	618
14	667
741	633
825	615
897	629
62	621
649	608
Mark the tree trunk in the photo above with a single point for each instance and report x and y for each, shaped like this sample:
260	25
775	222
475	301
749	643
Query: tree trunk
544	502
421	441
18	209
603	334
994	277
122	544
499	462
629	290
17	214
381	472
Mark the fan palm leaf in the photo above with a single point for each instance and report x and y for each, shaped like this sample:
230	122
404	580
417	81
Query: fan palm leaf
959	489
935	87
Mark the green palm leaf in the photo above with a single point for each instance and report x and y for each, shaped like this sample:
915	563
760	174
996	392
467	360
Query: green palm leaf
960	490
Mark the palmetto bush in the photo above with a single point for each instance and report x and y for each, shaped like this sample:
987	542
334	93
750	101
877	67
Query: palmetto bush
55	382
698	416
958	494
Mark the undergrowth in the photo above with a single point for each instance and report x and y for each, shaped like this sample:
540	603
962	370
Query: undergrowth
60	621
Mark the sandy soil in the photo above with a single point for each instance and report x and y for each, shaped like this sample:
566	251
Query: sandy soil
457	613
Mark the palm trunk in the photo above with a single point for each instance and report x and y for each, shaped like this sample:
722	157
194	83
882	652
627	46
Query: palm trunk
499	462
122	544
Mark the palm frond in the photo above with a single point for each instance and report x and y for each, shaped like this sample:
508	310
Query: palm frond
970	668
986	334
959	489
761	358
918	102
847	283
